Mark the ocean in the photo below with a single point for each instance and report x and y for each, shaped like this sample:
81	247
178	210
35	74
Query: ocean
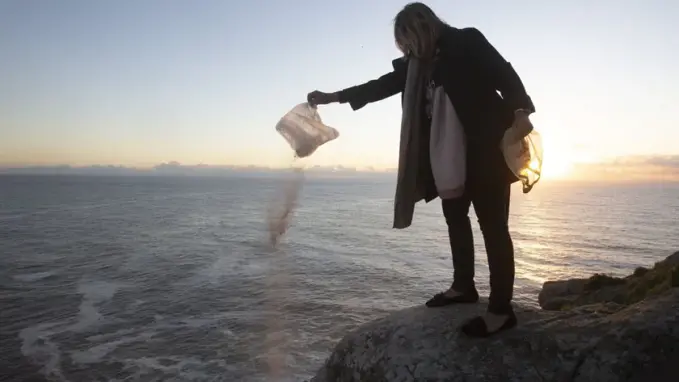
159	278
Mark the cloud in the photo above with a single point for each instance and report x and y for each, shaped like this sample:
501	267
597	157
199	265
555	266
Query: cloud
67	169
631	168
174	168
667	161
622	169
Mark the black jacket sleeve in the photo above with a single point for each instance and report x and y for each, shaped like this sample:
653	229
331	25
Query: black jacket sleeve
500	72
377	89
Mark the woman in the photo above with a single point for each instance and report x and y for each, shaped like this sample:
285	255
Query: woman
463	66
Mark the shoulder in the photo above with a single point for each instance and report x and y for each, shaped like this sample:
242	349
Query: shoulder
470	32
400	64
457	37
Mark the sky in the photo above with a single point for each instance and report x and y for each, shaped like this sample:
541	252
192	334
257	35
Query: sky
142	82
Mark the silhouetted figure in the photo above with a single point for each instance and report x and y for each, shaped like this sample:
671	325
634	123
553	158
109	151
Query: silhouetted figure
464	67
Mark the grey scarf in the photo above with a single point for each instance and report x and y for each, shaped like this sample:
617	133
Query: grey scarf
447	149
408	189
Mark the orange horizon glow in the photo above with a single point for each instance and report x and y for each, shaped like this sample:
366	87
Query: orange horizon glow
554	169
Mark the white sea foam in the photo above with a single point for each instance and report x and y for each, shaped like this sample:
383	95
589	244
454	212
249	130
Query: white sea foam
97	353
94	293
36	345
183	368
32	277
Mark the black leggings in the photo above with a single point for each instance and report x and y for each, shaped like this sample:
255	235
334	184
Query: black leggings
491	204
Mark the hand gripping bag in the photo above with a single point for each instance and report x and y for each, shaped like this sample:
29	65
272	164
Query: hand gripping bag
523	157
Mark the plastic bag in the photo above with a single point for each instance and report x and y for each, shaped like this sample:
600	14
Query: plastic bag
304	130
523	157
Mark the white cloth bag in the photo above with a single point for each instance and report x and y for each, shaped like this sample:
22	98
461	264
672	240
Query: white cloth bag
447	147
304	130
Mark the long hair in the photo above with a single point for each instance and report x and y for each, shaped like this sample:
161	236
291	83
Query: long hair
416	29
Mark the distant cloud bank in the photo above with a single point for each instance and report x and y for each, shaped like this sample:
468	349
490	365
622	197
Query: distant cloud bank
175	168
631	168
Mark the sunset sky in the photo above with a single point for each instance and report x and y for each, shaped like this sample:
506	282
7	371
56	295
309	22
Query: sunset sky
140	82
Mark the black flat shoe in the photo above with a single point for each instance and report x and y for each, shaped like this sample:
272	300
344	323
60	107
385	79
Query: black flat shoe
440	299
476	327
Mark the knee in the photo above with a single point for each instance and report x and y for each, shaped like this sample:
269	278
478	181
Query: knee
496	226
457	221
455	217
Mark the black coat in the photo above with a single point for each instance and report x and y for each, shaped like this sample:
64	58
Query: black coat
472	72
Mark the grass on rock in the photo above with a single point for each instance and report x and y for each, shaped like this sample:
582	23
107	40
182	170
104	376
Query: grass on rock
643	283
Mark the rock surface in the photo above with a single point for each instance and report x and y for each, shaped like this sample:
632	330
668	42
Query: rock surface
555	294
600	342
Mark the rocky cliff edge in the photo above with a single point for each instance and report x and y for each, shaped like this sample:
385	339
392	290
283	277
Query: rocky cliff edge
598	329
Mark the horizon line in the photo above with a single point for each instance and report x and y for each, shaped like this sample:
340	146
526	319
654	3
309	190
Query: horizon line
201	166
620	168
672	159
174	168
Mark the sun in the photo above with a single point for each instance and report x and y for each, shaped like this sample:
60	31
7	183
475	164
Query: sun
556	167
557	162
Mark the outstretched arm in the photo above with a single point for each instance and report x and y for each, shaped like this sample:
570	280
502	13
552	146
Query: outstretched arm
500	72
373	91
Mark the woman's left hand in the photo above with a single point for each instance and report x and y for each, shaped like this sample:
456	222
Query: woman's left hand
522	124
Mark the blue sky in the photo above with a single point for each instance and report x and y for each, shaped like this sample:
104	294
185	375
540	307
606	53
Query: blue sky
141	82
